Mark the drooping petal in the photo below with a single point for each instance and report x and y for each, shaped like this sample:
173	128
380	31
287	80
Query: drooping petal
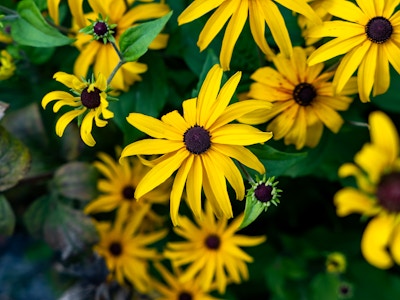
56	95
86	128
349	200
193	186
76	9
66	118
52	6
86	58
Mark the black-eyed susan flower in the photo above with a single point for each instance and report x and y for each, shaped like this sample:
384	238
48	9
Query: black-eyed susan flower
89	103
174	288
336	262
118	186
368	36
258	12
7	65
125	249
303	99
200	145
377	194
102	55
212	250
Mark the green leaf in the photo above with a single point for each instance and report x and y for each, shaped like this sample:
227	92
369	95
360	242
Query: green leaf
7	217
14	160
135	41
31	29
251	212
76	180
325	286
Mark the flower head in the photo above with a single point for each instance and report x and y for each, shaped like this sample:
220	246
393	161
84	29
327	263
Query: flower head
200	145
89	101
7	66
336	263
212	250
118	188
259	12
377	195
102	55
176	289
125	249
368	36
303	99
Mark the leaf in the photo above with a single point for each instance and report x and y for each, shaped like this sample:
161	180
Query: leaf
31	29
14	160
76	180
135	41
251	212
7	218
325	286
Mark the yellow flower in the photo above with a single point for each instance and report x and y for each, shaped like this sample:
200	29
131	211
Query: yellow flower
305	24
377	195
369	38
303	99
125	249
259	12
212	251
175	289
89	102
102	56
200	146
7	66
118	188
336	263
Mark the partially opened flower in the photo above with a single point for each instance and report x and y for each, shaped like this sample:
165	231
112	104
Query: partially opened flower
303	99
259	12
102	55
212	251
369	38
377	194
174	288
118	188
125	249
199	145
89	103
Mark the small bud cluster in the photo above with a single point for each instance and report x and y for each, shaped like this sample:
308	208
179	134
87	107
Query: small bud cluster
100	29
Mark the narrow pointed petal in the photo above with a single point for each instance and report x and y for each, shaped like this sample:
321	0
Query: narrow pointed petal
239	134
52	6
86	129
76	9
56	95
301	7
152	147
366	73
349	201
197	9
65	119
194	185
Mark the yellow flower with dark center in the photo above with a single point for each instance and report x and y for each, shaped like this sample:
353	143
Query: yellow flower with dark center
303	99
212	251
200	146
7	66
369	38
125	249
336	262
377	195
177	290
259	12
118	188
102	56
89	102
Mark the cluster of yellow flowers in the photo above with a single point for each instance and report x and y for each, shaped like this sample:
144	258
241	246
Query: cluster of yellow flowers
193	153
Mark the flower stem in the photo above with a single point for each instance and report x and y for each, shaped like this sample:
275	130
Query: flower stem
118	66
8	11
249	178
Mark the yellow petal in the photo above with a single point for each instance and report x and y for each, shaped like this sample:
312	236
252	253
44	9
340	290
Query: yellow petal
336	28
346	10
194	185
66	118
143	12
86	129
297	134
151	147
301	7
174	119
76	9
392	51
239	134
366	73
70	81
384	134
375	241
349	200
52	6
382	74
328	116
86	58
197	9
314	133
368	8
232	32
189	111
395	244
101	82
56	95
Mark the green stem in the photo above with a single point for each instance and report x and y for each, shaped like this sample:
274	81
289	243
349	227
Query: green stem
249	178
8	11
118	66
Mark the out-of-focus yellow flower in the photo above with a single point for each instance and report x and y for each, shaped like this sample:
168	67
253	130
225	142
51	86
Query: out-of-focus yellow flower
7	66
377	195
89	102
336	263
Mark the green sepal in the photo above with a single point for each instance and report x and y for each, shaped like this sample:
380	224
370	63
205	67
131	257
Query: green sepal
7	217
31	29
252	210
135	41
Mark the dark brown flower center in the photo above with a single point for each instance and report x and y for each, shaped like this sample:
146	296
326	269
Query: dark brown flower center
91	99
185	296
115	249
263	192
388	192
197	140
378	30
100	28
304	93
128	193
213	242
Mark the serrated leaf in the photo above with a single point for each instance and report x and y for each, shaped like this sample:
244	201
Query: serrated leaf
135	41
76	180
14	160
31	29
7	217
